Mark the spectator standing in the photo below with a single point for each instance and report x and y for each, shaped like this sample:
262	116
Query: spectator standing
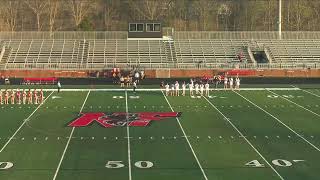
59	86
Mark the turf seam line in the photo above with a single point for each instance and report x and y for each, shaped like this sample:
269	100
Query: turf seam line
187	139
245	138
69	140
285	125
128	137
295	103
24	122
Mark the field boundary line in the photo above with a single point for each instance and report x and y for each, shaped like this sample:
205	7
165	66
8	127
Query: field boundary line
128	135
24	122
70	137
314	146
306	91
187	139
157	89
295	103
255	149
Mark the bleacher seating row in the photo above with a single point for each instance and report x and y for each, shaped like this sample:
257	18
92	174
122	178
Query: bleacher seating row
179	51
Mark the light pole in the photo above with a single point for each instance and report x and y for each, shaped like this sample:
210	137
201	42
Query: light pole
280	19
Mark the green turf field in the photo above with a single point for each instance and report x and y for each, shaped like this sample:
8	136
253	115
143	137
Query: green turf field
248	135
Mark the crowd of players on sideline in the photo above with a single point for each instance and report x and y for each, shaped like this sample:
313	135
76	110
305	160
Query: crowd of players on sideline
21	96
199	87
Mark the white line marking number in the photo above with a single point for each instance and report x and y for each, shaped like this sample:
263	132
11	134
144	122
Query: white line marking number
277	162
138	164
5	165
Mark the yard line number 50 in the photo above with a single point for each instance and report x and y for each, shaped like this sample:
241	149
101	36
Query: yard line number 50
138	164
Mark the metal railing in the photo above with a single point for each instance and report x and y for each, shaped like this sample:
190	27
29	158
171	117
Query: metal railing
166	32
76	66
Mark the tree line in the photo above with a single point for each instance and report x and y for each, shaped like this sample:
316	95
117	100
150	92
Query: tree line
183	15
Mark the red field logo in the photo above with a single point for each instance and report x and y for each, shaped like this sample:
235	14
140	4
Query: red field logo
121	119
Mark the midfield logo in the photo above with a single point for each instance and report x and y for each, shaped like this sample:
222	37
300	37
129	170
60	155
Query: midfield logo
121	119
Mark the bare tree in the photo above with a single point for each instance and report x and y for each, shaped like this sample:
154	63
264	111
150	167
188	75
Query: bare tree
53	11
9	13
110	14
38	7
204	9
151	9
80	9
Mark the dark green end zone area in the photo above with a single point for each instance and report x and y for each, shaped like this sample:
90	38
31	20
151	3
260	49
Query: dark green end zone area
242	135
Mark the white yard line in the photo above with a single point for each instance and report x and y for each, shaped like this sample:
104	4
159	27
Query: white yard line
295	103
186	137
244	137
307	91
315	147
24	122
128	137
157	89
70	137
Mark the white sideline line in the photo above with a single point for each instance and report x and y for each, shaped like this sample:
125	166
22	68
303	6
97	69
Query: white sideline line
67	145
128	137
295	103
24	122
307	91
244	137
315	147
157	89
186	137
310	93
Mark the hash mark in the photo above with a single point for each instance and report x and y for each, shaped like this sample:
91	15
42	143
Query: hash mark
209	137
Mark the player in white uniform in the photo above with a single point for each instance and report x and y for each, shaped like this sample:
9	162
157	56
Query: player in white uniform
231	82
237	83
183	88
197	88
177	87
172	90
225	83
201	89
167	89
207	87
191	89
24	97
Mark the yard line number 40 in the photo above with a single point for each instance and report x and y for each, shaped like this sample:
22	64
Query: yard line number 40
277	162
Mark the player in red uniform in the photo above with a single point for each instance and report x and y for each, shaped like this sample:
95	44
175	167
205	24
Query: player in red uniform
29	96
6	97
12	96
18	93
1	97
35	94
41	96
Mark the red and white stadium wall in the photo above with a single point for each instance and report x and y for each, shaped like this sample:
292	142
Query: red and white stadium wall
172	73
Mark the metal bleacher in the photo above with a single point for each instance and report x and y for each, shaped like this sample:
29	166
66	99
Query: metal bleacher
98	50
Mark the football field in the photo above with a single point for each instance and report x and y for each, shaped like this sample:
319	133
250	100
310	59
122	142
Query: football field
115	134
